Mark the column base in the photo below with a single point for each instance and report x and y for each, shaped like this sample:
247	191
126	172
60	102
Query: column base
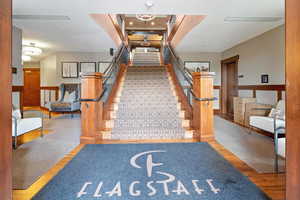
88	140
203	138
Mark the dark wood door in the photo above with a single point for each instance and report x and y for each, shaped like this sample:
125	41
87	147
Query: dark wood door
31	87
231	86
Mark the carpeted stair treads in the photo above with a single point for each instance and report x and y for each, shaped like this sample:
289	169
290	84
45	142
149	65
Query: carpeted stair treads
147	107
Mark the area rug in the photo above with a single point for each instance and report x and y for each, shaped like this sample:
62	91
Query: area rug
177	171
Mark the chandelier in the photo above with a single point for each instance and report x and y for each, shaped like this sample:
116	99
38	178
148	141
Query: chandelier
145	17
31	50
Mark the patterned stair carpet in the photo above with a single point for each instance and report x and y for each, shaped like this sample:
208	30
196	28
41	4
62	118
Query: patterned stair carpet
147	107
146	59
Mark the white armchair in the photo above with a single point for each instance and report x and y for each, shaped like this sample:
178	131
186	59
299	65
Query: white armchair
21	125
273	123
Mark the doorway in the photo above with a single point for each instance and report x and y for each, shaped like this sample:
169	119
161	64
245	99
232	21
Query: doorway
31	87
229	88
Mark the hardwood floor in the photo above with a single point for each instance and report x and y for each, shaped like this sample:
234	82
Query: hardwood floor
41	182
272	184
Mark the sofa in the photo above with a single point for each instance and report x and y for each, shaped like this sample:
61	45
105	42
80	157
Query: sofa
273	122
22	125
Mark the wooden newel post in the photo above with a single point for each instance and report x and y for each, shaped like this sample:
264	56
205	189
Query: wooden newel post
203	114
92	111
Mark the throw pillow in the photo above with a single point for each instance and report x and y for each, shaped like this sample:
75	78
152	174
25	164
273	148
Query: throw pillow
278	113
71	97
66	97
272	113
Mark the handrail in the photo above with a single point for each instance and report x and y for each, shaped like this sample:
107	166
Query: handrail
183	70
202	99
109	71
188	78
111	63
115	60
179	60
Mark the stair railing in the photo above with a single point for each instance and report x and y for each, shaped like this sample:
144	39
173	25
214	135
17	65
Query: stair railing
98	91
183	74
109	75
187	84
195	94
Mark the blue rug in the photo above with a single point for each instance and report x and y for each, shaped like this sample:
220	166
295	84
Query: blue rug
179	171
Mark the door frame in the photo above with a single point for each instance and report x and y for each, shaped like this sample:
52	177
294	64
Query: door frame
31	69
292	69
224	63
292	95
6	99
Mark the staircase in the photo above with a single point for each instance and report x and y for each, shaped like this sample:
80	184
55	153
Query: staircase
146	59
148	107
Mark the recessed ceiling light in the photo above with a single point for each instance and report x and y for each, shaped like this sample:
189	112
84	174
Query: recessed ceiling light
252	19
152	23
130	23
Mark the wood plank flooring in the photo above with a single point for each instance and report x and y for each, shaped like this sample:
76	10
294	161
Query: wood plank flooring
272	184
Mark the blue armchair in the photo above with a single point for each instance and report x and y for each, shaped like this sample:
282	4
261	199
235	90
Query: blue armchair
69	100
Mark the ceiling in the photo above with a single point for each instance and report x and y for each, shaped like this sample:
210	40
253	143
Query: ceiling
81	33
158	23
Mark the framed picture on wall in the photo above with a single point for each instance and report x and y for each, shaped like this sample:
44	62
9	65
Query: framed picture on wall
88	67
264	78
103	65
197	66
69	69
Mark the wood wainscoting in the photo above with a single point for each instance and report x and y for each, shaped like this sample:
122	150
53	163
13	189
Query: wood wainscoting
218	88
48	94
278	88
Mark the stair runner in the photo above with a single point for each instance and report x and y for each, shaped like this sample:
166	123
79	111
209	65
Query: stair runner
146	59
147	107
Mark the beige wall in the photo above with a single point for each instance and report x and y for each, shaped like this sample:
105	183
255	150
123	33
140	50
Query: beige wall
77	57
51	74
263	54
48	71
17	78
214	58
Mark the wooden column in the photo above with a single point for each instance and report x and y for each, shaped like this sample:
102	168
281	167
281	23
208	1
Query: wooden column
292	99
6	100
92	112
203	114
